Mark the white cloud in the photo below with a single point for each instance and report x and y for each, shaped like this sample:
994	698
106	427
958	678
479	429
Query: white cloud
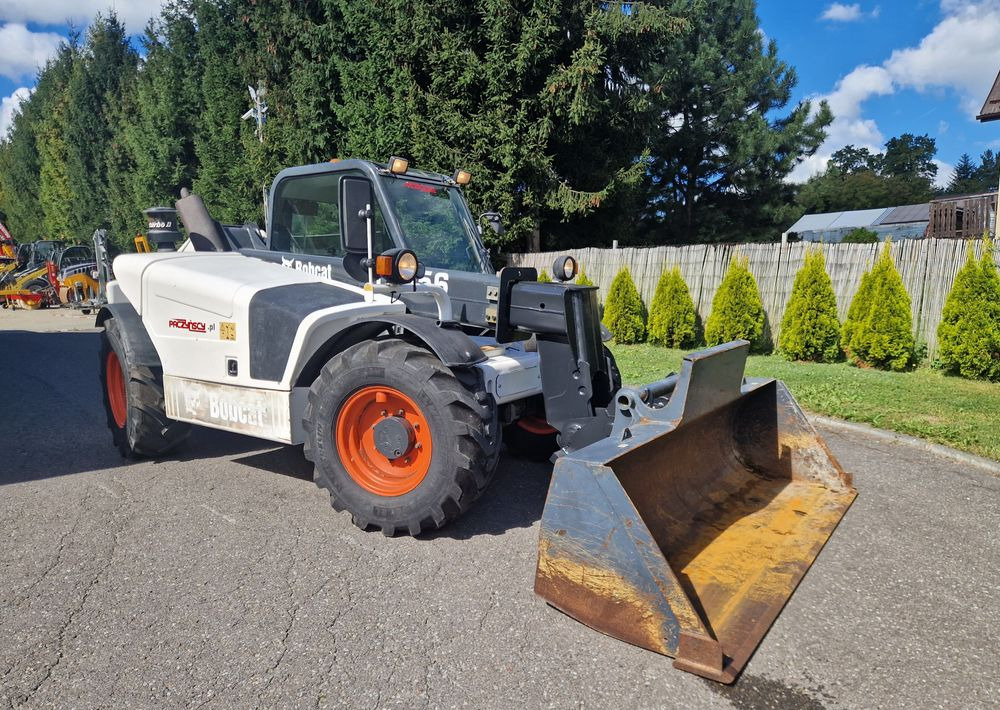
838	12
8	105
134	13
943	174
22	51
959	55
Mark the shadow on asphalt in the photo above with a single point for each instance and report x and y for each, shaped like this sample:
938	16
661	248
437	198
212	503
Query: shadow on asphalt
54	425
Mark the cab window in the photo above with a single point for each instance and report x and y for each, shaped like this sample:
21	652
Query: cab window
307	217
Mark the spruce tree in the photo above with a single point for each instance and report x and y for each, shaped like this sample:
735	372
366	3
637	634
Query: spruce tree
737	311
810	329
624	313
672	316
105	67
883	335
969	332
542	106
157	120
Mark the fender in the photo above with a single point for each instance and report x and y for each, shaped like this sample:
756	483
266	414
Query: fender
447	341
138	346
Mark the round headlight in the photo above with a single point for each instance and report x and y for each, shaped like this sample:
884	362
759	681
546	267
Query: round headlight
564	268
406	266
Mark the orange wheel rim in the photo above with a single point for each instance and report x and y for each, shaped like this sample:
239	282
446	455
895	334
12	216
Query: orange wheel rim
535	425
354	434
116	389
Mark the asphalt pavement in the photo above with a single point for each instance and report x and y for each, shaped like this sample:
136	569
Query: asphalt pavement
221	578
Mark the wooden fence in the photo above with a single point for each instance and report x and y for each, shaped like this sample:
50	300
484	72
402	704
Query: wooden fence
928	268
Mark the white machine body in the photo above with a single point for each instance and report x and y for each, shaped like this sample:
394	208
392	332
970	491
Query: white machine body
198	310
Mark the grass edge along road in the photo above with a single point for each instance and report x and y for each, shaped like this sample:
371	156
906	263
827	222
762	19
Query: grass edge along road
964	414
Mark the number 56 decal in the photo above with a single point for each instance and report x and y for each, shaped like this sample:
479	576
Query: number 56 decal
435	279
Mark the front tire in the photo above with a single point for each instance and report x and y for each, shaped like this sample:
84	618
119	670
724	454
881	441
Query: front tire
396	439
133	401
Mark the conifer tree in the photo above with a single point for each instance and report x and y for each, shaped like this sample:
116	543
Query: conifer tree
672	316
737	311
882	332
969	332
582	279
624	313
106	65
810	329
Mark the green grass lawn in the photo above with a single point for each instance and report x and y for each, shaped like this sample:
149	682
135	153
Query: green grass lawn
961	413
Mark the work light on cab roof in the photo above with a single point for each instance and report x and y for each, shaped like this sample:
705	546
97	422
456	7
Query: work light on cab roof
398	166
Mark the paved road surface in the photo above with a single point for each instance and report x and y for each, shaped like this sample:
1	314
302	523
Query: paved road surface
221	578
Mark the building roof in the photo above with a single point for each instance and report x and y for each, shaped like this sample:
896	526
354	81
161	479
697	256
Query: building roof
907	213
839	220
991	107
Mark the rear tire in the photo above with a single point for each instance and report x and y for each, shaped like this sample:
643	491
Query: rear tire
133	401
460	433
531	439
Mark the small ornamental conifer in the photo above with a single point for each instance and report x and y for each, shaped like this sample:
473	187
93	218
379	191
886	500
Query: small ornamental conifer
882	331
969	332
623	310
582	279
737	311
672	317
544	277
856	312
810	329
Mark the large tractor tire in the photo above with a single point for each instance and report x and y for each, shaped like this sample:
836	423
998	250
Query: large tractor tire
133	400
396	439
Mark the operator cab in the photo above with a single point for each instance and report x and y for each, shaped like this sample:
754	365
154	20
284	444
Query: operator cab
420	211
416	210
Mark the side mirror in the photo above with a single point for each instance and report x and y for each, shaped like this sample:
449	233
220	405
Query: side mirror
495	220
356	196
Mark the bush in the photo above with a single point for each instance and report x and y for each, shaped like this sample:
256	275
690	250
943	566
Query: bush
624	314
672	318
860	235
810	329
544	278
582	280
737	312
969	332
881	330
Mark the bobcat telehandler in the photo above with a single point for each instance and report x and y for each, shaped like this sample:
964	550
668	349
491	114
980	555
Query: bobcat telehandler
681	515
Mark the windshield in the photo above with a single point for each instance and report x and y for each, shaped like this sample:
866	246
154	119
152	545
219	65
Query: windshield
436	224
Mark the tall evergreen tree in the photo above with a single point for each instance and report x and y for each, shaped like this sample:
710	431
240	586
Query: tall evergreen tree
20	165
543	103
157	119
963	177
224	176
106	64
723	148
56	190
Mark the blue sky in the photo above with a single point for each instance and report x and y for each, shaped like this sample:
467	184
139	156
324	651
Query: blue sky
887	66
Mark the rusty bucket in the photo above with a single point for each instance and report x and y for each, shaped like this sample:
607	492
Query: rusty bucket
688	529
